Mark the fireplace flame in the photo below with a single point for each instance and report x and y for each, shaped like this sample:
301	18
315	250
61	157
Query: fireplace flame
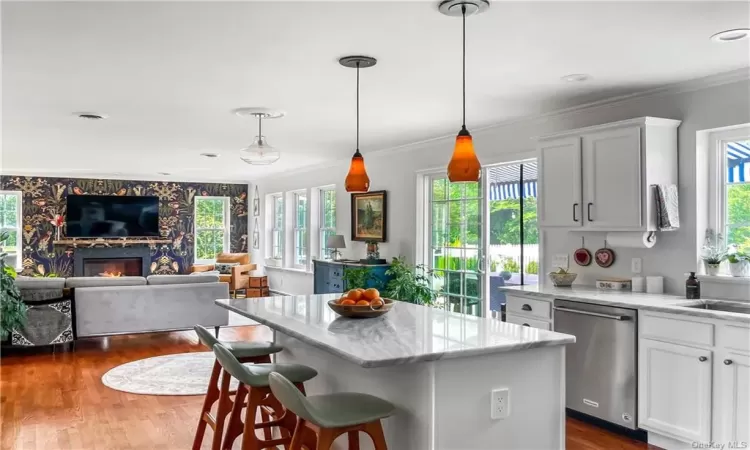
107	273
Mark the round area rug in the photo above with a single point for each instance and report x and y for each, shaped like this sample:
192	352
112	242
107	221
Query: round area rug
180	374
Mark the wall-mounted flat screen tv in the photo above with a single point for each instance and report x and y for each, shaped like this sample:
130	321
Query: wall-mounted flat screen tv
110	216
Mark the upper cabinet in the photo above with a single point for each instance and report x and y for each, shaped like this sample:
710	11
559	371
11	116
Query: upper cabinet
600	178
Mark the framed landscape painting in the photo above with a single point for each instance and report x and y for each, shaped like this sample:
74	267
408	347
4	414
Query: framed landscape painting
369	216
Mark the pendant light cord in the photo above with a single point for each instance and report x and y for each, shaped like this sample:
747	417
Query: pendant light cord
463	67
260	134
358	105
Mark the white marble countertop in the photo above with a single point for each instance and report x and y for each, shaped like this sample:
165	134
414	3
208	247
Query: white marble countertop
626	299
408	333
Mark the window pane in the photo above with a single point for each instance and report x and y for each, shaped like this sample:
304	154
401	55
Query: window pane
454	224
738	215
328	220
471	285
208	243
10	219
438	189
472	190
301	206
455	190
276	244
453	283
439	224
12	238
471	216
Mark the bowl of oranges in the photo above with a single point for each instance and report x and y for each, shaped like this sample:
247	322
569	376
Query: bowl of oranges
361	303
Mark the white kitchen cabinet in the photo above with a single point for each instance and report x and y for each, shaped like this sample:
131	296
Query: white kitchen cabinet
675	390
600	178
560	182
733	397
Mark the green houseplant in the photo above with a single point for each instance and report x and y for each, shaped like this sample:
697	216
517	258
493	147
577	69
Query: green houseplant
739	264
409	283
359	277
12	308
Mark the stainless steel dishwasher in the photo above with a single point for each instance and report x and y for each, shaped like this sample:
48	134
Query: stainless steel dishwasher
601	367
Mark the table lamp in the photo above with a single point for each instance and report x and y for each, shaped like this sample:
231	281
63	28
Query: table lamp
335	242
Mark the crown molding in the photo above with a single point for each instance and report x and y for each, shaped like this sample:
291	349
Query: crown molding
85	175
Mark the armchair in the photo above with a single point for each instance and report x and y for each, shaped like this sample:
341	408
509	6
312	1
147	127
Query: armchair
238	279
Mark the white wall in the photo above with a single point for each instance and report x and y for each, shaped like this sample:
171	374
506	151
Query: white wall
396	171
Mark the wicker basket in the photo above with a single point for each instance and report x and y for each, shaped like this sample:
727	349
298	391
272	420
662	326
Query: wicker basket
562	279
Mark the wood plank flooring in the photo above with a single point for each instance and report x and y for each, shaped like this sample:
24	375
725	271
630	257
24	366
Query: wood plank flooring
57	401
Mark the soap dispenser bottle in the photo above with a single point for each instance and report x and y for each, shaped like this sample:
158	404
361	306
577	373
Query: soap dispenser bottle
692	287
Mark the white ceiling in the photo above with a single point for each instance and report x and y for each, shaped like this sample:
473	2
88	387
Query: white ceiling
169	73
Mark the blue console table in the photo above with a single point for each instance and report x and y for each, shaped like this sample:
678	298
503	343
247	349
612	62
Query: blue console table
329	276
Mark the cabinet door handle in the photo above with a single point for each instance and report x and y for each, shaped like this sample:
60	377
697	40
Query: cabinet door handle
526	307
727	361
575	219
588	211
702	359
526	325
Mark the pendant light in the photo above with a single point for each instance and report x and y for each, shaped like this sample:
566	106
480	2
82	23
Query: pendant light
357	179
259	153
464	165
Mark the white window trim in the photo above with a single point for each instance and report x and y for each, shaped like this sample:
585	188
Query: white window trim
717	182
226	246
296	229
322	229
19	226
271	260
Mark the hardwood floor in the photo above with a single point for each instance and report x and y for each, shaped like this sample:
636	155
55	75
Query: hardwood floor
57	401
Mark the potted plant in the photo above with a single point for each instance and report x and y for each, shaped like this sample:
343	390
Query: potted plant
739	264
410	284
713	252
12	308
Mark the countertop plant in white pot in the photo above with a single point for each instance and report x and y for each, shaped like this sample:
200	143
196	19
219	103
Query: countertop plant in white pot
739	264
713	252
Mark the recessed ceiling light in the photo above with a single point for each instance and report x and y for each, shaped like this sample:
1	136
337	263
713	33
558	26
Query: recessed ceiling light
576	77
210	155
90	115
164	173
737	34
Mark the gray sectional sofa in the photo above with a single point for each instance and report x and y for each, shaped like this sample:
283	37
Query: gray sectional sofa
123	305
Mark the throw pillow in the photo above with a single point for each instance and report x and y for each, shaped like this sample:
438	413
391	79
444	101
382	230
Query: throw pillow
209	272
225	268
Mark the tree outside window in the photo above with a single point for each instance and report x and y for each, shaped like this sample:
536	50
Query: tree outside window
211	227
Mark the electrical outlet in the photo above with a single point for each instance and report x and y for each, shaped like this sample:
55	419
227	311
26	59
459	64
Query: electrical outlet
500	403
559	260
636	265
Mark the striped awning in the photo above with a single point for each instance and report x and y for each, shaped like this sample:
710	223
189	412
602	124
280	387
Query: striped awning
738	162
504	181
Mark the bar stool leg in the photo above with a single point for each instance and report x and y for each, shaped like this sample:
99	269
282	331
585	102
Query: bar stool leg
225	405
234	428
211	396
353	437
326	436
375	430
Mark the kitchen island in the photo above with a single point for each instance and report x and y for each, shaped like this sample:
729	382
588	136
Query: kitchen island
439	368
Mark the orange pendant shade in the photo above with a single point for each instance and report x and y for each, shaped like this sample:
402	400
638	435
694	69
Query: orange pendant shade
464	165
357	179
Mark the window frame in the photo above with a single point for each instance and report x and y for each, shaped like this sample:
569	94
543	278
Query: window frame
717	179
277	230
323	229
226	244
19	225
300	243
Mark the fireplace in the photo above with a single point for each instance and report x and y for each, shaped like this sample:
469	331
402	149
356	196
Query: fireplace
111	261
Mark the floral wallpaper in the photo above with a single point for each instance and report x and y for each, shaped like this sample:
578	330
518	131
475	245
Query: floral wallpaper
45	197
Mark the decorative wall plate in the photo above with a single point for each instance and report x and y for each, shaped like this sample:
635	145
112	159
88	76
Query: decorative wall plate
605	257
582	257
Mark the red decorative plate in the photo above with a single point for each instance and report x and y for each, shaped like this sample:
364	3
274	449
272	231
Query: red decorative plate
604	257
582	257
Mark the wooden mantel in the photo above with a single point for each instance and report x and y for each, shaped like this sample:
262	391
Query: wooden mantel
110	242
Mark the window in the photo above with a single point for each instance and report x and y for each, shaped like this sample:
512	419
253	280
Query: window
327	219
211	227
300	230
735	190
277	230
10	222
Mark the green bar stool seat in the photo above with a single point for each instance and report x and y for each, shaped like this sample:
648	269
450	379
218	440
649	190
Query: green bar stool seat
246	352
331	415
254	394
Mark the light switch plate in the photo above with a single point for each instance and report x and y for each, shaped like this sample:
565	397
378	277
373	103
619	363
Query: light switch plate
636	265
559	260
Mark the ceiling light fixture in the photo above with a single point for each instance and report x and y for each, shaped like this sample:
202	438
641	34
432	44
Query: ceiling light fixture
576	77
90	116
357	179
737	34
210	155
164	173
464	165
259	153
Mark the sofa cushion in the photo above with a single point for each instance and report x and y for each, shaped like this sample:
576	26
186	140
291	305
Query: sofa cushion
182	279
208	272
225	268
81	282
39	282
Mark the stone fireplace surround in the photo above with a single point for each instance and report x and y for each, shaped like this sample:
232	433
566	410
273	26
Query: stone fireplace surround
80	255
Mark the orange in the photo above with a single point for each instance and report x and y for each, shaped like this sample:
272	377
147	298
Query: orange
360	289
371	294
341	300
377	302
363	303
347	302
354	294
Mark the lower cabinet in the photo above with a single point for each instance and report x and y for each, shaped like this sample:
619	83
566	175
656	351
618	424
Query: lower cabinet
526	321
675	390
733	397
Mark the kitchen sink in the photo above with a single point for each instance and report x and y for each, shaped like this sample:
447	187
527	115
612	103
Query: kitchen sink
734	307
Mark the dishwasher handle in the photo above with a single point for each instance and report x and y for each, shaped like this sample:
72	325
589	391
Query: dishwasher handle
591	313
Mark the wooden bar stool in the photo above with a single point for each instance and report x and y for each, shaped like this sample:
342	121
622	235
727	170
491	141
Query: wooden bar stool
246	352
330	416
254	394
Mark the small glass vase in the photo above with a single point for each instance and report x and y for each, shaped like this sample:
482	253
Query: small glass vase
712	269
